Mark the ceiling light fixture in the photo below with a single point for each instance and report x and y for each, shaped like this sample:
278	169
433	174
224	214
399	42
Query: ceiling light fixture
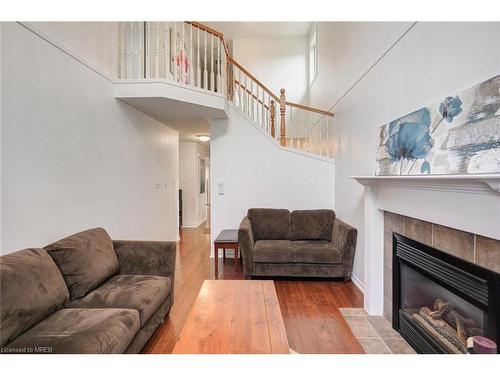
203	138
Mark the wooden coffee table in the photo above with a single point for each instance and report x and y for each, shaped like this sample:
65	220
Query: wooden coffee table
234	316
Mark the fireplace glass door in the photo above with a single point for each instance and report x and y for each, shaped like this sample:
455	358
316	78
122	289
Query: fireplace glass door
446	317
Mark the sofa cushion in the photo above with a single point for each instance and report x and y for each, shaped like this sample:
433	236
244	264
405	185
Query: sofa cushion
270	223
316	252
312	224
31	288
140	292
274	251
85	259
82	331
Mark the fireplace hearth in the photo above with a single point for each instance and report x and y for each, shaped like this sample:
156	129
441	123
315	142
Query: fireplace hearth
439	300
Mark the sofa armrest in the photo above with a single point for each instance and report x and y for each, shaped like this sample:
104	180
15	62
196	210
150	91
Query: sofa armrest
344	238
246	243
146	257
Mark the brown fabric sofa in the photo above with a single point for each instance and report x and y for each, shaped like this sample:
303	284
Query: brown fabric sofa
85	294
302	243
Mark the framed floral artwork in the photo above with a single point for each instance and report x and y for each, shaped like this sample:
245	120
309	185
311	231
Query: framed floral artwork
460	134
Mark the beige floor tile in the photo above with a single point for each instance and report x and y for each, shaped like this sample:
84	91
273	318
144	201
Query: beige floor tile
399	346
374	346
353	311
383	327
360	326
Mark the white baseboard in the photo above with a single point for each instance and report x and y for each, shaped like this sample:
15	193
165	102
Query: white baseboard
358	283
194	225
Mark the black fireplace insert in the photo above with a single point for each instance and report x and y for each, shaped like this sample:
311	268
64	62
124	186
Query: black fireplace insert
439	300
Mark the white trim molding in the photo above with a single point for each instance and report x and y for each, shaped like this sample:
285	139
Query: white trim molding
358	283
465	202
471	184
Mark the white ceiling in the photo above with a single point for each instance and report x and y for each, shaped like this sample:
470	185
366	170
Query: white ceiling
189	129
233	30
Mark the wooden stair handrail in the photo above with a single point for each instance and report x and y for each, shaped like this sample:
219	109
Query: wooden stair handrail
236	82
306	108
212	31
206	28
234	62
231	60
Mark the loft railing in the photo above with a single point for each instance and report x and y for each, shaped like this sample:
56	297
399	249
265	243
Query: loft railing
195	55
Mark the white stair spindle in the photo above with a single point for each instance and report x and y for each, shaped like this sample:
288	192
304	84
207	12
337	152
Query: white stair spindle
304	136
167	49
219	65
145	50
328	136
140	46
191	79
132	71
205	70
267	114
223	71
174	56
257	106
157	59
123	56
182	56
135	50
263	109
251	99
240	96
212	67
320	137
246	96
198	61
129	50
147	37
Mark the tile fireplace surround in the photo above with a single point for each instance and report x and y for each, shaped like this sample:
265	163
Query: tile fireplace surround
459	215
473	248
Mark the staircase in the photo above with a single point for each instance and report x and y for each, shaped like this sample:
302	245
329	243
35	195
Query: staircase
193	55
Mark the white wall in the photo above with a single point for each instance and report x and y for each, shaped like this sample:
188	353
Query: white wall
1	126
345	51
277	63
431	61
73	157
194	208
95	42
256	172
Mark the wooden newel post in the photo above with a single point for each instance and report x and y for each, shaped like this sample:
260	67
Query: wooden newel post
273	118
282	114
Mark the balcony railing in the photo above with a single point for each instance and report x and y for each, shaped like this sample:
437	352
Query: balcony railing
195	55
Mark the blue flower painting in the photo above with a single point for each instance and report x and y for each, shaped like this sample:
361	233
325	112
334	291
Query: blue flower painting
409	137
450	108
460	134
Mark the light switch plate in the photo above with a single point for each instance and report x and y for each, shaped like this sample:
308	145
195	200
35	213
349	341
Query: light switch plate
220	188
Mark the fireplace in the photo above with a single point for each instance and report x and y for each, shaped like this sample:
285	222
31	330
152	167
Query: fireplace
440	300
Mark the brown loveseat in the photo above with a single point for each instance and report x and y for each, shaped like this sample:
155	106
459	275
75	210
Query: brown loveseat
303	243
85	294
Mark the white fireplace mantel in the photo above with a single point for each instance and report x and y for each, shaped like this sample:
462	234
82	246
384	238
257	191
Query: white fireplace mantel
472	184
466	202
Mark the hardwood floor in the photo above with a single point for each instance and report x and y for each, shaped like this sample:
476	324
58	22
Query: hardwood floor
310	308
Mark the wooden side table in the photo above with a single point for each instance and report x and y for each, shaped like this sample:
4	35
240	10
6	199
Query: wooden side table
227	239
